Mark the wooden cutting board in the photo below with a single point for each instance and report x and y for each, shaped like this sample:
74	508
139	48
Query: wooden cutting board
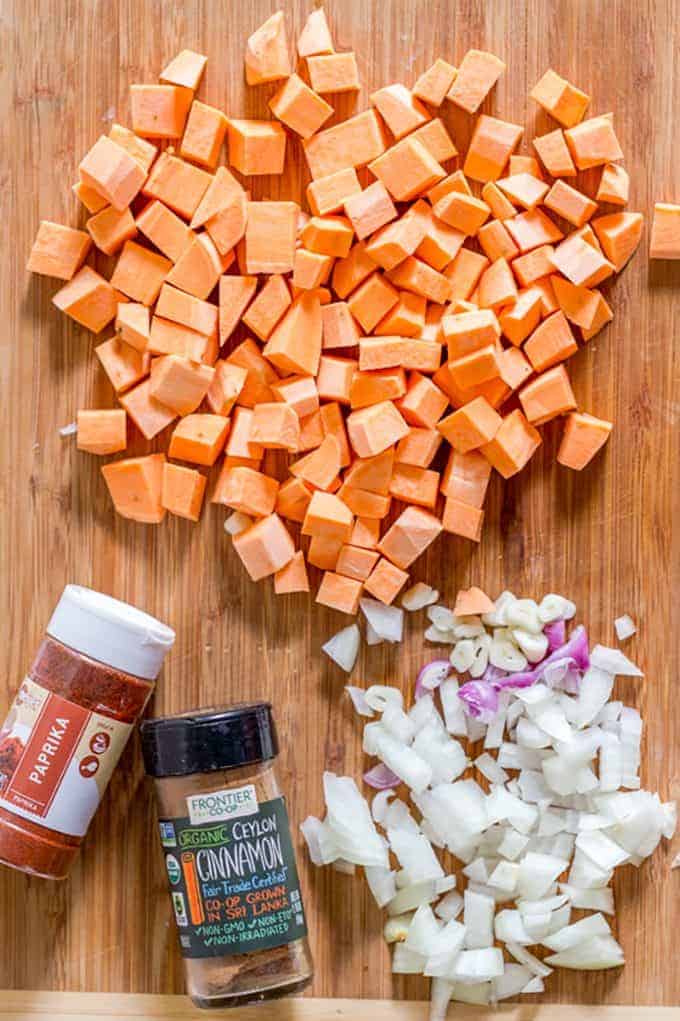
608	537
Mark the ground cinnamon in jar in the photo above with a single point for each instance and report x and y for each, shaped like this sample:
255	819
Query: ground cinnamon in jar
228	854
67	727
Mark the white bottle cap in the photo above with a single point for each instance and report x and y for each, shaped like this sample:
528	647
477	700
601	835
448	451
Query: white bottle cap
111	632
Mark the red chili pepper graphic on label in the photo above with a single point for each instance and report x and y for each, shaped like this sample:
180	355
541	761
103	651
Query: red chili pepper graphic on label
193	891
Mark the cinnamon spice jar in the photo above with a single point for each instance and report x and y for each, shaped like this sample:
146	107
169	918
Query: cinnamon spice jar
228	854
67	727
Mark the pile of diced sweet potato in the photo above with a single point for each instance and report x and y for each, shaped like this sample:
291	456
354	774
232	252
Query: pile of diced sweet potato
418	305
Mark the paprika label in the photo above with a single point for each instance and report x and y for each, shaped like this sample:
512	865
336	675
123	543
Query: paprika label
233	880
56	759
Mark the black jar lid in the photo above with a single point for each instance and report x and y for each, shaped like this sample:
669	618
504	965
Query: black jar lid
201	741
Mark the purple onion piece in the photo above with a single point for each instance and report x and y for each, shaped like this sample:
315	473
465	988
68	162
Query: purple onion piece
480	700
381	778
431	676
493	674
575	649
556	633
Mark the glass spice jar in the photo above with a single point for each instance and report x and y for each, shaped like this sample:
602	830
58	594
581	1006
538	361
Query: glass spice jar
68	725
228	854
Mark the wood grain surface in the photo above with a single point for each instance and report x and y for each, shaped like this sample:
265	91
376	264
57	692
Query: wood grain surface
608	537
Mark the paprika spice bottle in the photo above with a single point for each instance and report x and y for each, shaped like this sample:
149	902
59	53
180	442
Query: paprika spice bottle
228	854
68	725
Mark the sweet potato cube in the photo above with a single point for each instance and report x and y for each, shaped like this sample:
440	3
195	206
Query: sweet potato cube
440	244
513	445
204	134
522	318
365	504
554	154
334	378
583	436
148	414
299	107
177	184
410	535
111	228
515	368
414	275
352	143
159	111
268	307
532	229
267	58
462	519
58	251
132	324
424	403
603	315
400	109
220	195
256	147
315	36
464	272
497	287
350	272
199	438
275	426
102	432
523	189
369	210
500	206
333	423
405	319
476	367
385	581
270	237
164	229
550	343
295	344
140	273
466	478
365	533
261	375
381	352
463	212
140	149
534	265
471	426
310	270
579	304
89	299
372	300
328	516
265	548
339	328
112	171
320	468
418	447
179	383
547	396
293	498
339	593
570	204
375	428
477	75
300	393
168	338
580	263
433	85
495	241
333	72
619	234
412	484
185	69
492	143
249	491
135	486
89	197
187	310
239	444
371	473
407	169
328	235
665	241
292	577
356	562
593	143
367	388
614	185
563	101
323	553
182	491
328	194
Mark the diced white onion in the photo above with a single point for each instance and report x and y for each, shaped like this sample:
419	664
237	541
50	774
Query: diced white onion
386	621
237	522
625	627
418	596
343	648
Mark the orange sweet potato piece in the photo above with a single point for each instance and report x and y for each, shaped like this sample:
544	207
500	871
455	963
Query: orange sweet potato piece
140	149
89	197
148	414
603	315
293	499
177	184
111	228
365	504
334	378
164	229
270	237
275	426
182	491
89	299
476	367
328	516
665	241
112	171
547	396
399	108
513	445
563	101
135	487
261	375
328	235
371	473
355	562
407	169
614	185
463	212
412	484
102	432
580	263
268	306
365	533
159	111
179	383
532	229
515	368
292	577
352	143
267	57
339	593
295	343
465	332
339	328
239	445
522	318
433	84
619	234
464	272
385	581
410	535
495	241
328	194
405	319
350	272
299	107
391	245
322	466
583	436
333	72
370	209
333	423
249	491
198	268
256	147
300	393
550	343
185	69
534	265
203	135
593	143
554	154
220	194
58	251
265	548
471	426
579	304
187	310
523	188
372	300
140	273
497	287
199	438
478	73
310	270
418	447
168	338
570	204
323	553
375	428
472	601
466	478
370	388
462	519
492	143
315	36
414	275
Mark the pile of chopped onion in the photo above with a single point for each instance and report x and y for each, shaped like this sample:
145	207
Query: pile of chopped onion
555	808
